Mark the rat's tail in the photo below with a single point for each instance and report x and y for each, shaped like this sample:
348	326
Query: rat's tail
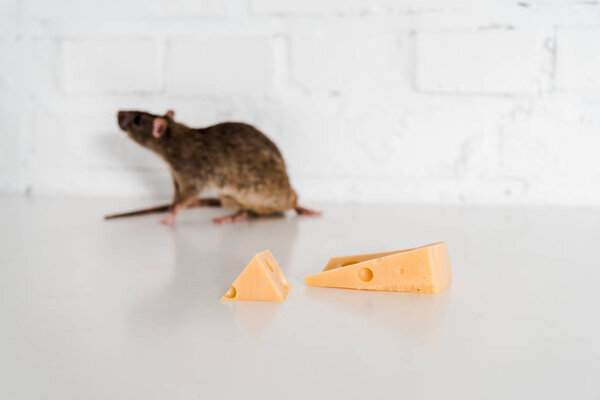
153	210
306	211
164	208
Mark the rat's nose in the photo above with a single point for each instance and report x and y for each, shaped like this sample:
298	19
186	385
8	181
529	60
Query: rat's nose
122	119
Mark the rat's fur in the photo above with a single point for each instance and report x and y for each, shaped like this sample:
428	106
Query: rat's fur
234	159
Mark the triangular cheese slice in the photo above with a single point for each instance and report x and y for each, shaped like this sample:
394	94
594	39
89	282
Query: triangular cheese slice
422	270
261	280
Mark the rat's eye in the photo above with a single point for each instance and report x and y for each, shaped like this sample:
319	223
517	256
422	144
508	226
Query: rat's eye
137	120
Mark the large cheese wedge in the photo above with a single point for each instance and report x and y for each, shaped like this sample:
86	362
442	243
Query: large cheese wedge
422	270
261	280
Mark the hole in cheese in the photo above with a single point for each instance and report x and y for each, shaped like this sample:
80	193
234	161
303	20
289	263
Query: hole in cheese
285	283
231	292
365	274
345	264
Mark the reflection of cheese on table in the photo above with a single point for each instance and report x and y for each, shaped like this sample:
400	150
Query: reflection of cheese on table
422	270
261	280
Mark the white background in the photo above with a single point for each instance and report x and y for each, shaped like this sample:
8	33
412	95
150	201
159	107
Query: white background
404	101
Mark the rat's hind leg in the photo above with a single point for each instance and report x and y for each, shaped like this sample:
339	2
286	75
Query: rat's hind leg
230	202
255	205
241	215
277	203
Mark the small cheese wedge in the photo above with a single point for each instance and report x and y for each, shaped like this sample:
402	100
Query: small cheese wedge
261	280
424	269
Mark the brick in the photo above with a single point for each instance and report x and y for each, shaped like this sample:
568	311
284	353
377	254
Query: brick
351	7
442	138
88	9
344	61
554	139
484	62
31	67
218	66
287	7
566	14
464	10
204	8
111	66
578	58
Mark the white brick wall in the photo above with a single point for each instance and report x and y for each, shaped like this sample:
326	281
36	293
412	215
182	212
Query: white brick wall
578	58
345	61
460	101
478	62
111	66
220	66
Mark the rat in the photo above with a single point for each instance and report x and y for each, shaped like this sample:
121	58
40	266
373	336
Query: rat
235	160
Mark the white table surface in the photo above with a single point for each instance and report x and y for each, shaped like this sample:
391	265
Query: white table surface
130	309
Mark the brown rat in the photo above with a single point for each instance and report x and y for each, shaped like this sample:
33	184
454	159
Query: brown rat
236	160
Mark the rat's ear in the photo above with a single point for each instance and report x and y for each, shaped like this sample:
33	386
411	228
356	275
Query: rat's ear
159	127
170	114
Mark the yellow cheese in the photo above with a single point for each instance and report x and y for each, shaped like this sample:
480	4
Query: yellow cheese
261	280
422	270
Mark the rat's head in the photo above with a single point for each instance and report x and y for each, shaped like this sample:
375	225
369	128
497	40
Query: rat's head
147	129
